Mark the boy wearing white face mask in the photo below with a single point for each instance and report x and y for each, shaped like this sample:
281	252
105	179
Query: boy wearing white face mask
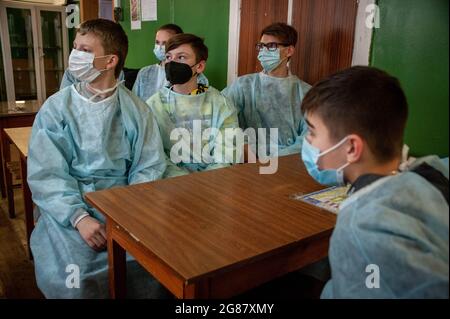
72	74
270	99
153	77
391	236
69	79
90	136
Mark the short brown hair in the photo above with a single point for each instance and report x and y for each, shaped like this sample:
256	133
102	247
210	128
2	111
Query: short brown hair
284	32
364	101
112	37
196	43
173	28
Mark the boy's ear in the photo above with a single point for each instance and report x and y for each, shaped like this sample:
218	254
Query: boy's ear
290	51
201	67
112	62
355	148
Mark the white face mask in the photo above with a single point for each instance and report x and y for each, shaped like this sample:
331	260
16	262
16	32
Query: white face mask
160	52
81	65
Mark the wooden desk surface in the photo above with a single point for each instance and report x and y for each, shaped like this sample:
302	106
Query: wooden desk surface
20	137
219	220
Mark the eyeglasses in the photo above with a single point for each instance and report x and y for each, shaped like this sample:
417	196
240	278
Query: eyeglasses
271	46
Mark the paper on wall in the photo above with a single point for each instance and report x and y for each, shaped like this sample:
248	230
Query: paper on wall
149	10
135	14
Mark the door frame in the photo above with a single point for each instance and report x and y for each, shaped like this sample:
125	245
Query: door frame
361	46
363	35
6	54
233	40
64	44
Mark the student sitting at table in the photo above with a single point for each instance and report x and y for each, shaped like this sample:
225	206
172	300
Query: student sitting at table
391	236
270	99
187	103
90	136
153	77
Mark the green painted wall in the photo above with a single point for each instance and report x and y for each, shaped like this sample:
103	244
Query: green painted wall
205	18
412	44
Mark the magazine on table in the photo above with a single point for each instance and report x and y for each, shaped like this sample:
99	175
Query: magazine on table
328	198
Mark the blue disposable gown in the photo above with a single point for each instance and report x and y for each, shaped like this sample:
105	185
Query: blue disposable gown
149	80
264	101
400	225
77	147
212	109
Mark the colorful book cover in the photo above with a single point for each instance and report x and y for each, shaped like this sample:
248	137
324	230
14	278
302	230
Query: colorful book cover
328	198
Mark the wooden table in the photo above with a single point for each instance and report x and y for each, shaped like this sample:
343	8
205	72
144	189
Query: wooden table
215	234
19	137
13	115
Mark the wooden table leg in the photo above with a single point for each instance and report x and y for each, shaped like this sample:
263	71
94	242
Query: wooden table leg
2	171
8	175
198	290
117	264
28	202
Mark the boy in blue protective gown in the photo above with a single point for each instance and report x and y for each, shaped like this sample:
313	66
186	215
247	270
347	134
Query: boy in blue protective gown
89	136
391	236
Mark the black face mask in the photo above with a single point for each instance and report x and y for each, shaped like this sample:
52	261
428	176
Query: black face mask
178	73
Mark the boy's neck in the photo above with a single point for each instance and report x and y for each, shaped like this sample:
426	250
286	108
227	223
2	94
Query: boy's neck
282	71
187	87
104	81
357	170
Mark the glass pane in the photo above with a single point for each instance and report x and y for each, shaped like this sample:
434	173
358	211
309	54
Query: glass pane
21	40
53	50
2	76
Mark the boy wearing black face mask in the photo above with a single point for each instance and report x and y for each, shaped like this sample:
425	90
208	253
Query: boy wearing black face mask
153	77
192	117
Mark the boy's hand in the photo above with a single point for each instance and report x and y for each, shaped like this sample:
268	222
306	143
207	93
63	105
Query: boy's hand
93	233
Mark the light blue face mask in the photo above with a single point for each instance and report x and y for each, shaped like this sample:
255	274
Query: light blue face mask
269	60
330	177
160	52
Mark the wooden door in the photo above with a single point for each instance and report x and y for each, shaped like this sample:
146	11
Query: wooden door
326	31
325	27
88	10
255	16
